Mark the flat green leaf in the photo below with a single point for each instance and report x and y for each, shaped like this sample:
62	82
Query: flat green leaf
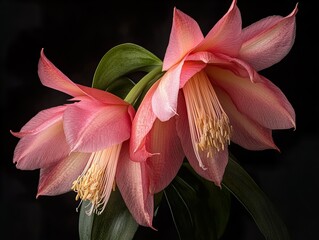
121	87
115	223
85	223
122	60
199	209
243	187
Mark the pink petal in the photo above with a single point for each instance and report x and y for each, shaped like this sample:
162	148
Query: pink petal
133	182
164	102
102	96
237	66
214	166
225	36
190	68
245	132
185	35
91	126
52	77
163	167
262	101
41	149
41	121
58	178
268	41
141	125
197	61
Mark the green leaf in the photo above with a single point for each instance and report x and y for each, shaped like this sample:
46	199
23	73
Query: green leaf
243	187
121	87
122	60
146	88
199	209
85	223
115	223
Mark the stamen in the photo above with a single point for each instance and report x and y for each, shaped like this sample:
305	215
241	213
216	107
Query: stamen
209	124
96	182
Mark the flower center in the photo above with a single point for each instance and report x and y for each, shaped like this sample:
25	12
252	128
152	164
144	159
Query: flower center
209	125
97	179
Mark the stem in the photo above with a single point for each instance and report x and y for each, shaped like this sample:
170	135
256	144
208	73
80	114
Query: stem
136	91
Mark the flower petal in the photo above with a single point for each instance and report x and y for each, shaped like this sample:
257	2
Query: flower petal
42	149
164	101
41	121
245	132
164	165
268	41
261	101
197	61
58	178
91	126
214	166
236	65
52	77
102	96
190	68
185	35
141	125
133	182
225	36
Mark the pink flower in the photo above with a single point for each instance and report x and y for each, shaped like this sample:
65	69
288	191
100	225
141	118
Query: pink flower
83	146
211	94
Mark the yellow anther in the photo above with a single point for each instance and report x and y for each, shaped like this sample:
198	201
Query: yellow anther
98	178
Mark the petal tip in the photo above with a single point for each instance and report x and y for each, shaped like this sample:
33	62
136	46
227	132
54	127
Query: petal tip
16	134
218	183
294	12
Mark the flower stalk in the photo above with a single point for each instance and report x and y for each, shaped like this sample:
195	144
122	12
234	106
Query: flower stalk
136	91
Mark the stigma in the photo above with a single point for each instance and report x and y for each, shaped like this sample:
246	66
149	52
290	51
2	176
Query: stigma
210	128
97	180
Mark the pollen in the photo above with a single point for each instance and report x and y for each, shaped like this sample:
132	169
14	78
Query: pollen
88	186
97	180
210	128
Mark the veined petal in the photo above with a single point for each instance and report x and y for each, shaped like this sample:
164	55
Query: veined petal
164	165
225	36
102	96
261	101
185	35
133	182
141	125
190	68
268	41
58	178
42	149
213	166
91	126
245	132
197	61
236	65
41	121
164	101
52	77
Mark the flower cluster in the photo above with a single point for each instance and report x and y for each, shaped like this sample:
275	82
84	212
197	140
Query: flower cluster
207	94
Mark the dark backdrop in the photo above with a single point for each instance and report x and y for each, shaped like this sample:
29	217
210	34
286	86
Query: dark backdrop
76	34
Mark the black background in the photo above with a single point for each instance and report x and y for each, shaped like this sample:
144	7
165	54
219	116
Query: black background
76	34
